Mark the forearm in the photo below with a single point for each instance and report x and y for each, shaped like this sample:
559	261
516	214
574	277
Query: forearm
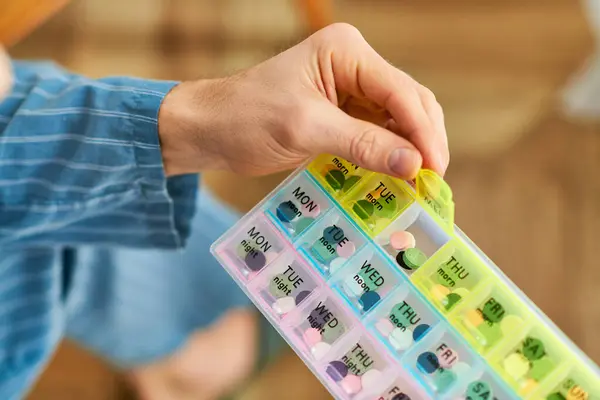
81	163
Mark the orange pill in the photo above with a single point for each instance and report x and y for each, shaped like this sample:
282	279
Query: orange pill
474	317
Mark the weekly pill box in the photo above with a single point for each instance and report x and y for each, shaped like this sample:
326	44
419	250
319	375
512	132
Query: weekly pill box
384	298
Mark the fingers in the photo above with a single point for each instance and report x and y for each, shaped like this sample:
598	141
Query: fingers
356	68
364	143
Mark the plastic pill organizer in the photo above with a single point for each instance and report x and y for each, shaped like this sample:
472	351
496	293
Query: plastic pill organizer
384	298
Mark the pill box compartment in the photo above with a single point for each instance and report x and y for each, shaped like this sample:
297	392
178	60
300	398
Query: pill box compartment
286	284
336	175
402	388
440	361
365	279
451	276
297	205
412	239
574	384
357	367
319	324
250	248
482	385
330	242
529	360
402	320
491	316
377	201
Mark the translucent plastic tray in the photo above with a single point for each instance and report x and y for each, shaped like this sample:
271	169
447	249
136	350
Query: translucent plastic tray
327	259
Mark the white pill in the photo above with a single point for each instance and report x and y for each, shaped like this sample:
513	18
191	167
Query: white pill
384	326
401	339
320	349
353	286
371	379
284	305
336	264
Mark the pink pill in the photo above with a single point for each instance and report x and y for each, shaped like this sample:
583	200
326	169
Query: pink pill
346	249
311	337
384	326
313	211
402	240
447	357
351	384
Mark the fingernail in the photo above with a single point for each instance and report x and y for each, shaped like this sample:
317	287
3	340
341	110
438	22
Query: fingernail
404	162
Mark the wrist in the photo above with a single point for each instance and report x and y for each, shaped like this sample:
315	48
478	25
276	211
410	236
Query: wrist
186	121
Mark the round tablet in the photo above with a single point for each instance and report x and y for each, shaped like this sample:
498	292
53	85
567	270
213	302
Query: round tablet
284	305
320	350
447	357
428	362
337	370
443	379
331	334
350	182
276	289
351	384
451	300
301	296
346	249
312	212
401	396
303	224
401	339
333	234
533	349
419	331
384	326
478	389
541	368
528	386
510	323
336	264
493	311
370	379
311	337
255	260
335	178
353	286
369	299
577	393
363	209
439	292
461	368
474	318
402	240
411	259
286	211
516	366
388	208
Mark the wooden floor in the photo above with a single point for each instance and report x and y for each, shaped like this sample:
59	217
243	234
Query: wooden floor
525	180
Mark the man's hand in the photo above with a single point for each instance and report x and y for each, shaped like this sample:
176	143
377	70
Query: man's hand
331	93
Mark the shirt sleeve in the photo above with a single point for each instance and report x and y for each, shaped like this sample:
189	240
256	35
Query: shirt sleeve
80	163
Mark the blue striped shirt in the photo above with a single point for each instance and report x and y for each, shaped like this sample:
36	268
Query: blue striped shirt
80	165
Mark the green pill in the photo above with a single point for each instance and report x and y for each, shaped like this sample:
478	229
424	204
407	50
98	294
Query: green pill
302	225
363	209
451	300
493	311
350	182
540	369
335	178
533	349
388	208
556	396
479	390
491	333
411	259
443	379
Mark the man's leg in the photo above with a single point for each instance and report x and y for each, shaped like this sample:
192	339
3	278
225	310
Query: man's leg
175	320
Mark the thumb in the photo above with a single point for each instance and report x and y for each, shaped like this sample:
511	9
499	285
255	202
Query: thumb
366	144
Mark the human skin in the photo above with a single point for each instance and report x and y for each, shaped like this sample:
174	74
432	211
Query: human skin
332	93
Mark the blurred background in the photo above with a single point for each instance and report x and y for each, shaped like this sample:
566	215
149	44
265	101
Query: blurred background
525	177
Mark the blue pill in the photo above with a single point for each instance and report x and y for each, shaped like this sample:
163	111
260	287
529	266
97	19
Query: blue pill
286	211
369	299
419	331
428	362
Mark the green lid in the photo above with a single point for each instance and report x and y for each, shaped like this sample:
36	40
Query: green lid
414	258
